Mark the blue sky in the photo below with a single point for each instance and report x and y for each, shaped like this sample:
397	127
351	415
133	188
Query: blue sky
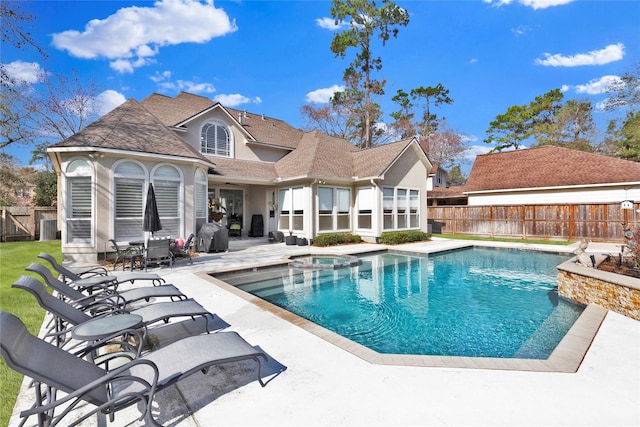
272	57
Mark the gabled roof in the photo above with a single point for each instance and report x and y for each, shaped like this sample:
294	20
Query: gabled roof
186	106
131	127
375	161
548	166
318	155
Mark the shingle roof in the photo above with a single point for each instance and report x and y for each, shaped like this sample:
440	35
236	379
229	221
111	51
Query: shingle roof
131	127
318	155
374	161
174	111
245	169
547	166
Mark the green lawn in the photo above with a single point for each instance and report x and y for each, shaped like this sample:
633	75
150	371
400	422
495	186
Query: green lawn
14	257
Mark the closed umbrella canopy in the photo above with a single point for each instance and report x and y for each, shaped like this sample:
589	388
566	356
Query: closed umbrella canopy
151	215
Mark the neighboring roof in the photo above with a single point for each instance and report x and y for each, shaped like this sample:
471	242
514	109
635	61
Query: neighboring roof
548	166
456	191
131	127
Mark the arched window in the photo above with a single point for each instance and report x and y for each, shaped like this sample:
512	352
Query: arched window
201	198
215	138
79	203
167	184
129	191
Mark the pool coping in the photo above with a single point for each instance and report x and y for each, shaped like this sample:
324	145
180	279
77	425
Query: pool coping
566	357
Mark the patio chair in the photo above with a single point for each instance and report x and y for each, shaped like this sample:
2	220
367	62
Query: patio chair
122	298
130	253
157	251
54	369
68	275
66	313
185	251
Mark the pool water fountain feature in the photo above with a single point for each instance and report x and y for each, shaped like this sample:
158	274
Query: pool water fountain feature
324	262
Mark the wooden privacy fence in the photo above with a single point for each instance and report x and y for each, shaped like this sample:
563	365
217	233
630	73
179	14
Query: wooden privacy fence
23	223
597	222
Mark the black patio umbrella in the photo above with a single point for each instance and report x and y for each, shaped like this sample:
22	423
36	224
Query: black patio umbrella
151	215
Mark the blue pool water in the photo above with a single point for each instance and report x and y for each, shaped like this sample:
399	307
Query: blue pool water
475	302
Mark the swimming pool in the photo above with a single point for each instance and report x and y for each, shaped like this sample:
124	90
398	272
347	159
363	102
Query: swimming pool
476	302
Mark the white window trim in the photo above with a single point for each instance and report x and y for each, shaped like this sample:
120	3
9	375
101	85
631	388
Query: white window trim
113	187
65	200
394	213
180	181
334	212
217	122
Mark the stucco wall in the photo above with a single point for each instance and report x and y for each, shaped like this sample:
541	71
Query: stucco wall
603	194
608	290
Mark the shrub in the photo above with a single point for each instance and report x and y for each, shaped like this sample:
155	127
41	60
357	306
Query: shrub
332	239
399	237
634	245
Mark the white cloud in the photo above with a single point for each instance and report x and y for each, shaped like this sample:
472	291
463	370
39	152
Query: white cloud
165	83
323	96
133	35
108	100
534	4
235	99
564	88
521	30
330	24
598	86
611	53
543	4
22	73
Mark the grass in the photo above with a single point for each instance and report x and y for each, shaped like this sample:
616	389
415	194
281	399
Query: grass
14	257
498	239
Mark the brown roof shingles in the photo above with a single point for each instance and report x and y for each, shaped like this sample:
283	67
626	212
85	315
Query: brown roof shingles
131	127
374	161
547	166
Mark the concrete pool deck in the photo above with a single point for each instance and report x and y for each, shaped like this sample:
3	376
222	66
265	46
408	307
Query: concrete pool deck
312	382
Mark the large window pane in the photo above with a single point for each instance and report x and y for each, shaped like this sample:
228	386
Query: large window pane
79	213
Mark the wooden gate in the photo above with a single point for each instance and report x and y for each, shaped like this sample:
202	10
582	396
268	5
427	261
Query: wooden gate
19	223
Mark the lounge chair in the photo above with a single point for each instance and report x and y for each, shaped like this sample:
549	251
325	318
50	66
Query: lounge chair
78	272
67	313
70	276
53	369
84	301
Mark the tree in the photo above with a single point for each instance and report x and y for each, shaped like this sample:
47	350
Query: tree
623	139
365	21
46	192
12	116
443	147
626	91
10	179
522	122
572	126
456	176
426	98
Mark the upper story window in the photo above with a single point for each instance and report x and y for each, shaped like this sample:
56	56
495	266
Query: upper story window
215	138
